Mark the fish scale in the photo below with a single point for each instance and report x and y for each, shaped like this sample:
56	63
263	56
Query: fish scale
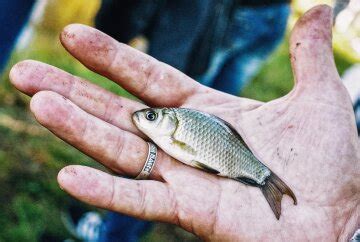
216	147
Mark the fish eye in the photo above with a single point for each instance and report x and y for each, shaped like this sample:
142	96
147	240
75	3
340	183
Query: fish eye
150	115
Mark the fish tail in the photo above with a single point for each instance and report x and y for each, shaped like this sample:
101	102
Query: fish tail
273	190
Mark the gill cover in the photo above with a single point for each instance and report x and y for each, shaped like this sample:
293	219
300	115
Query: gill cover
164	123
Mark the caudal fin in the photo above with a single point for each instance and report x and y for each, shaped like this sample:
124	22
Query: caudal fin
273	191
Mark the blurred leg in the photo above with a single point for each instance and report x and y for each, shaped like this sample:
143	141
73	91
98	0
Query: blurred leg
357	114
118	227
254	33
13	15
350	79
236	73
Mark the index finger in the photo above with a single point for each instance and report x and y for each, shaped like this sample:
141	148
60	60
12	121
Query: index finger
152	81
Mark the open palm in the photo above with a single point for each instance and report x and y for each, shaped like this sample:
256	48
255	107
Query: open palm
308	138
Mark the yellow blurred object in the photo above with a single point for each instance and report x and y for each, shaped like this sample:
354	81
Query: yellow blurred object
48	19
347	26
139	43
303	5
56	14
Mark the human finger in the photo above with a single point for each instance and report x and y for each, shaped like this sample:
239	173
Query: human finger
152	81
316	76
119	150
31	77
150	200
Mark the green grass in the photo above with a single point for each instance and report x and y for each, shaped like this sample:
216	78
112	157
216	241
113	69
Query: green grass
274	79
30	157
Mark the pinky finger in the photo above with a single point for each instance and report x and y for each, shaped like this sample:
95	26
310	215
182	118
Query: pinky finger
149	200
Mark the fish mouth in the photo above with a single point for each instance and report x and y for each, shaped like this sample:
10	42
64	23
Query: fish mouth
136	118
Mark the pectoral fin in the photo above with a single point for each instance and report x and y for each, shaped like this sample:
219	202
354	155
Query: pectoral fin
183	146
204	167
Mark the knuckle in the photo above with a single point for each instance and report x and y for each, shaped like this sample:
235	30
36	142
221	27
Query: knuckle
174	207
119	150
142	197
154	73
110	110
112	199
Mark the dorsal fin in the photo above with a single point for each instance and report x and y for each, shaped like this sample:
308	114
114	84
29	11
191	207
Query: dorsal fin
231	130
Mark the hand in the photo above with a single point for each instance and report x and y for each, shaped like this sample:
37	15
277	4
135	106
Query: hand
307	137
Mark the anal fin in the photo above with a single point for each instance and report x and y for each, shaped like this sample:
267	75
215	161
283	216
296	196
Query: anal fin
204	167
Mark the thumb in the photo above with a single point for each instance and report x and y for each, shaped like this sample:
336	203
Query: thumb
312	57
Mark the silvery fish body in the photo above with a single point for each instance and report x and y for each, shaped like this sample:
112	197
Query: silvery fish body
209	143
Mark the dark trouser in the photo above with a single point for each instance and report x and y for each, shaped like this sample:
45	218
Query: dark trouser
13	15
118	227
254	33
357	114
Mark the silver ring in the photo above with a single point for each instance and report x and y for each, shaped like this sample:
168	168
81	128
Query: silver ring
149	163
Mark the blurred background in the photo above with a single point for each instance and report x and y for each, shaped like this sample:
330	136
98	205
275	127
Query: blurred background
31	203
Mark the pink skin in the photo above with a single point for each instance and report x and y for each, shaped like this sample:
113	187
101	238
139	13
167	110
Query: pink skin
307	137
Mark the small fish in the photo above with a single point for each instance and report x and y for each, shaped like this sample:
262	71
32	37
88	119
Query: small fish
211	144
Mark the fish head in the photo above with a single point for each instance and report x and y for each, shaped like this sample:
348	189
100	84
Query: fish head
155	122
